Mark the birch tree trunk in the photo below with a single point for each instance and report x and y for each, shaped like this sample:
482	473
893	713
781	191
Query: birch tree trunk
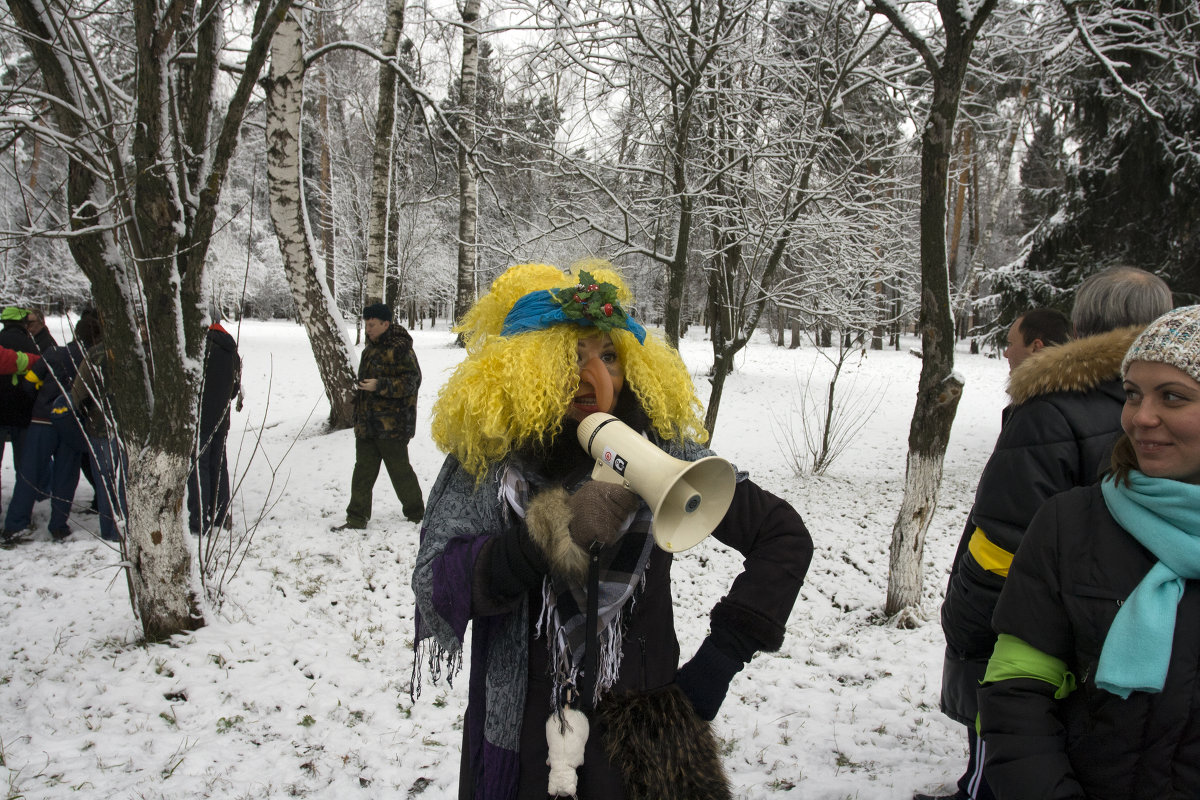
939	387
381	161
314	303
468	190
327	244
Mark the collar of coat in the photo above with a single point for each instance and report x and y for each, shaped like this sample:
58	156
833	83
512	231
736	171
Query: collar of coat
1079	365
396	335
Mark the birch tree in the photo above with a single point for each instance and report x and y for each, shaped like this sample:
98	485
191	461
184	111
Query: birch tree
468	190
381	163
939	387
314	302
134	106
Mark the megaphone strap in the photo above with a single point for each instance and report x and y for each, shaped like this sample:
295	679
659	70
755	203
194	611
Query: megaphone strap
563	618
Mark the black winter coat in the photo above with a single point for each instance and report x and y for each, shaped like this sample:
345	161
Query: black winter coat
777	548
45	340
1058	434
222	380
16	404
89	392
1073	571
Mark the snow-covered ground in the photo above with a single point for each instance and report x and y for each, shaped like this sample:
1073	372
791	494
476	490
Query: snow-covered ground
299	684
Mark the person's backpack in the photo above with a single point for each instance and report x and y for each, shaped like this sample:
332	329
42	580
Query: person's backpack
68	423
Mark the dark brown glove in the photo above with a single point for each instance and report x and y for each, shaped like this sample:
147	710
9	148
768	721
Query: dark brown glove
599	511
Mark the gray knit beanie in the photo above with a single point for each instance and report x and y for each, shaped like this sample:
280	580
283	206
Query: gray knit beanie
1173	338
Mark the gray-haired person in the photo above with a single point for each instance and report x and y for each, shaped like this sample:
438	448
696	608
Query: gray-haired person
1057	434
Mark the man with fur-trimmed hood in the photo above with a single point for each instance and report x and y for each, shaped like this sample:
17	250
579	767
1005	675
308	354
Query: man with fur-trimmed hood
514	523
1057	434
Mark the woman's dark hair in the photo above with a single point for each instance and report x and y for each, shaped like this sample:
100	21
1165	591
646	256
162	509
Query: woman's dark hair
1124	460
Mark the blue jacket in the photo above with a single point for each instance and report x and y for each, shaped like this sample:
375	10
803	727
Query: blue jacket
55	372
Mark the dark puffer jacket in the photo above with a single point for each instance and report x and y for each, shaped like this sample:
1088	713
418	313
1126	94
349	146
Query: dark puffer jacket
89	392
1058	434
390	412
1073	571
16	404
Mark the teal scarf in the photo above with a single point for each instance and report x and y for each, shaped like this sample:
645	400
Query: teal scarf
1164	516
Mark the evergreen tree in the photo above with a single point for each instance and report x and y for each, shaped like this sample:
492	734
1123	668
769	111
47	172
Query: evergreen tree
1042	173
1131	192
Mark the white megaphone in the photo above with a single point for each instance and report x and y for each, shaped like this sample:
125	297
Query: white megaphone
689	498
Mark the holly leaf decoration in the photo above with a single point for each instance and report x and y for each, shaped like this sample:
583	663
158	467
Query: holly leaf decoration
593	301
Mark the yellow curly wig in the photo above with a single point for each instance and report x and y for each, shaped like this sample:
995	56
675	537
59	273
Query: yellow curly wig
512	391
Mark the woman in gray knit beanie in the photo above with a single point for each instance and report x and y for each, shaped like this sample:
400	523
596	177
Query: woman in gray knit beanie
1161	418
1093	689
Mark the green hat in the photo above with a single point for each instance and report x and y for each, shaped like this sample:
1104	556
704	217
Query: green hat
13	313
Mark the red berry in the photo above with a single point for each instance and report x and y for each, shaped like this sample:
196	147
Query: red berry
578	299
593	288
608	309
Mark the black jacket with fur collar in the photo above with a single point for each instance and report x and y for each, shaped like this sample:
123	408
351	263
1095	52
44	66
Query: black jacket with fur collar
1057	434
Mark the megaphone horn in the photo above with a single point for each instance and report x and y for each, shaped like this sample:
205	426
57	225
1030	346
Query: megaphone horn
689	498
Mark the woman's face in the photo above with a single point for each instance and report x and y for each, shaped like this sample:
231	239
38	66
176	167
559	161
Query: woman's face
601	377
1162	418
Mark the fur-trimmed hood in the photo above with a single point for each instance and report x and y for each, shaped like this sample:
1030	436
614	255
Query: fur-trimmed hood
1079	365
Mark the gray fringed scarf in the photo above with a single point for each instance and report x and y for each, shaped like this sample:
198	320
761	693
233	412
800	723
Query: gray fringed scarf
562	619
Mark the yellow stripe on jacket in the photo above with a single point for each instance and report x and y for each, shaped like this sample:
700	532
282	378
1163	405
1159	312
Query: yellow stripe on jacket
988	554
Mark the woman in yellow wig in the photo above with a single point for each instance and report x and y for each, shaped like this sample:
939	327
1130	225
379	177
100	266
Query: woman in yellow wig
514	522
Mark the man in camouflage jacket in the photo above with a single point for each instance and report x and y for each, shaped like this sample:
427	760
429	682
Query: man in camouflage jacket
385	417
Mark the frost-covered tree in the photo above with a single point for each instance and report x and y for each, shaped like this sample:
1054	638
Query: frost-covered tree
1131	192
946	57
314	301
132	94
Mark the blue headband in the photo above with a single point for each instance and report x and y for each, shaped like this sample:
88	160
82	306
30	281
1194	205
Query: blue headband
582	306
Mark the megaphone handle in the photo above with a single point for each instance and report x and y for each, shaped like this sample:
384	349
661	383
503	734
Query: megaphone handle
603	472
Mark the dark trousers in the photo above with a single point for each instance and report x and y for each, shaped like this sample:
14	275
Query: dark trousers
972	783
46	460
393	453
208	484
109	467
16	435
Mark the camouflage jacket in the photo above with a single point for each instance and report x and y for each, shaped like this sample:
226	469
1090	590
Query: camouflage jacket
390	412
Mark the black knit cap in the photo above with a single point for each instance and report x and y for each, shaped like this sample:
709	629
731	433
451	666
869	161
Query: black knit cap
378	311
